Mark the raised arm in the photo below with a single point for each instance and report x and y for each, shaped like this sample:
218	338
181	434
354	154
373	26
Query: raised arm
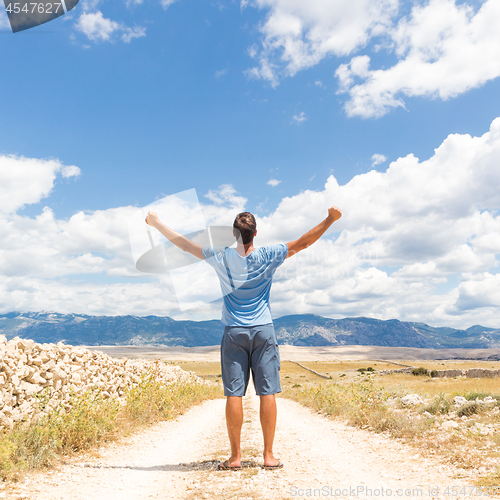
315	233
177	239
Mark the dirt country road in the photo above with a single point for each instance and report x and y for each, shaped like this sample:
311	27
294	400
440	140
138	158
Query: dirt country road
177	460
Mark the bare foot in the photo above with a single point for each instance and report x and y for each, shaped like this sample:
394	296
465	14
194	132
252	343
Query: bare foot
270	461
230	463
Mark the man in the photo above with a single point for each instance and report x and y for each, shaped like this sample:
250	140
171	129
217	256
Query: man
249	341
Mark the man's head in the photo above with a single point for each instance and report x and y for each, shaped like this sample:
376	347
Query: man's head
245	225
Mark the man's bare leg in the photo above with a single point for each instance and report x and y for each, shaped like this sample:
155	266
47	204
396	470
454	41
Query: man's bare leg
234	421
268	414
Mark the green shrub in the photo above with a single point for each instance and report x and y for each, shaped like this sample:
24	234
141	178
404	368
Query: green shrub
472	395
434	373
152	400
439	405
7	450
419	371
469	409
86	420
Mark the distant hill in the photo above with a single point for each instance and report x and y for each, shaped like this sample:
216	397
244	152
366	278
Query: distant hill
81	329
299	330
312	330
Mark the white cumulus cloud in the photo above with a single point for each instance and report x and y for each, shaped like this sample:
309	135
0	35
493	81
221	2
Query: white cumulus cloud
299	118
167	3
297	34
273	182
4	20
378	159
428	221
98	28
131	33
226	194
24	181
419	242
444	50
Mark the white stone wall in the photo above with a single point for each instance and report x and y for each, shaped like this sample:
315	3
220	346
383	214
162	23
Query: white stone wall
469	372
56	370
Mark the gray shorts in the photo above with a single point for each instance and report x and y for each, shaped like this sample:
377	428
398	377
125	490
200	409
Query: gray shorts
246	348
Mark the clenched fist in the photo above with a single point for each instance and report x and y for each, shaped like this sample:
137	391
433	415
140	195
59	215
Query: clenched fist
151	218
334	213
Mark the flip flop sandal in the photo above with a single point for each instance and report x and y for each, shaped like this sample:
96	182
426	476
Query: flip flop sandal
279	465
223	466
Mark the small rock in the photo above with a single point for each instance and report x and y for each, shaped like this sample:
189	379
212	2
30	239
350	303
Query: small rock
411	399
449	424
459	401
485	430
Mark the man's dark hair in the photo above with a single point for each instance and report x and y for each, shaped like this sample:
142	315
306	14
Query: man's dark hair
245	225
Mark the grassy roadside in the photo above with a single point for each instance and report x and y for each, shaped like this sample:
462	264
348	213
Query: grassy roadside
468	437
91	419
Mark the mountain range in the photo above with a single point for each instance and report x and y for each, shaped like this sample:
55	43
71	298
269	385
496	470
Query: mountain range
299	330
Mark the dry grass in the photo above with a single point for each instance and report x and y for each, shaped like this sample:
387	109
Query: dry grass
452	364
336	367
372	402
201	368
491	481
433	386
90	419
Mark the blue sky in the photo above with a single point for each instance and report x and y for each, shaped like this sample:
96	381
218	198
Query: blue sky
146	99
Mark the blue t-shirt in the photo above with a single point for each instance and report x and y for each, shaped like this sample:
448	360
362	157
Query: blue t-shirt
247	286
